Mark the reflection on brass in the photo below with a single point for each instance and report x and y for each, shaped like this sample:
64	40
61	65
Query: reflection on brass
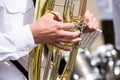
50	70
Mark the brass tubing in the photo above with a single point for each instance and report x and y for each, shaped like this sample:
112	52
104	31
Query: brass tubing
35	57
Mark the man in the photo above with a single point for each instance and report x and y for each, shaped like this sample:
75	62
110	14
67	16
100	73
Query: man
18	35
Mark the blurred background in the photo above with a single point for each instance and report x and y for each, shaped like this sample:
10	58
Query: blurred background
100	61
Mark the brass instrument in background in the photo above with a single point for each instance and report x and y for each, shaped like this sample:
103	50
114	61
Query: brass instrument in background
50	70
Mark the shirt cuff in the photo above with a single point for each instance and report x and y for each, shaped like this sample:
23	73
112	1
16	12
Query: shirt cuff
23	39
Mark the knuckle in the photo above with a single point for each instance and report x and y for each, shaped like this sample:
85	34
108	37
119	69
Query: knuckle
57	26
57	33
73	36
72	41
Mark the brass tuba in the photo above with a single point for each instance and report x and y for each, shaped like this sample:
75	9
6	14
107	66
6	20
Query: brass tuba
50	71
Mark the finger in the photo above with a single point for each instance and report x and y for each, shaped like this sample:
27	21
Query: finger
68	34
93	24
61	46
89	16
68	40
96	25
65	26
56	16
86	20
87	12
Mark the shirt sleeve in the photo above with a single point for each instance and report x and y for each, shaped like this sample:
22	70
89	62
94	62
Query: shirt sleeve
16	44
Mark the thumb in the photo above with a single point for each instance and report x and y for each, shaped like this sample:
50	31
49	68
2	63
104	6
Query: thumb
56	16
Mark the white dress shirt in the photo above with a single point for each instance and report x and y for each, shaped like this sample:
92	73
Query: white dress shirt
116	18
15	36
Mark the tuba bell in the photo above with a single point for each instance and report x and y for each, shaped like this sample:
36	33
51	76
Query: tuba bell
49	71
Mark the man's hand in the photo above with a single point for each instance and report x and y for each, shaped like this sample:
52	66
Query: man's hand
50	30
91	22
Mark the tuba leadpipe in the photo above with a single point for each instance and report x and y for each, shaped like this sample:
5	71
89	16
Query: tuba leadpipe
35	56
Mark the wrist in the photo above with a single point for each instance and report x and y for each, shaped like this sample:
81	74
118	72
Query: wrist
34	32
